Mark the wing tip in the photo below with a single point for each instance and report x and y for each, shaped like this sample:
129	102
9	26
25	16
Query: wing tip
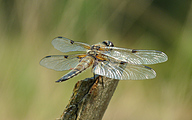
165	56
152	75
41	61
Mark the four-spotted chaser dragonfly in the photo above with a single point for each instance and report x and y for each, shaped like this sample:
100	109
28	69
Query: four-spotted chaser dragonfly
105	60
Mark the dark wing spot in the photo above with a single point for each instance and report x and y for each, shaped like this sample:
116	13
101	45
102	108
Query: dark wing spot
134	51
47	56
60	37
66	56
148	67
71	41
123	62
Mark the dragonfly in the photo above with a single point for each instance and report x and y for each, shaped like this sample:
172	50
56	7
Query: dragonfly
105	60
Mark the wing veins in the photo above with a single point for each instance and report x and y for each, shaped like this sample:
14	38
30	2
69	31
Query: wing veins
59	62
135	56
126	71
66	45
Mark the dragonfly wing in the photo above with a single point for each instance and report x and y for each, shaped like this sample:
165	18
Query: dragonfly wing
125	72
66	45
136	56
61	62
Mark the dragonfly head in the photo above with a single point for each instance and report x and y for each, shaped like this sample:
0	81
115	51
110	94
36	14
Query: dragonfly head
108	43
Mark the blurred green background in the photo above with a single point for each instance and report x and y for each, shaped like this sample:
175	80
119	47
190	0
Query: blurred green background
28	91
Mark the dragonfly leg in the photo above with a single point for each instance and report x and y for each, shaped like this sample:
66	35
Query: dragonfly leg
100	78
102	81
94	76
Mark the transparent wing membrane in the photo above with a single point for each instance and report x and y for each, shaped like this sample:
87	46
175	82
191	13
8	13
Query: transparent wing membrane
127	72
136	56
60	62
66	45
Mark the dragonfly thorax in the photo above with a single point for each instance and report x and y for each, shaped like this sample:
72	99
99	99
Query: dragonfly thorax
92	52
95	47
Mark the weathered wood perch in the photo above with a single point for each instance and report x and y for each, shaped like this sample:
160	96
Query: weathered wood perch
90	99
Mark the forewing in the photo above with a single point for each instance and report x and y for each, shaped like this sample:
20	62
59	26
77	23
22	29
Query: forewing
124	72
66	45
135	56
60	62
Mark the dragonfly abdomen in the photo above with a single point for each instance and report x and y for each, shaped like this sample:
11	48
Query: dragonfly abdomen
84	64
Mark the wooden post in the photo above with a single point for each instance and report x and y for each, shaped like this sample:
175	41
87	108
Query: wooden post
90	99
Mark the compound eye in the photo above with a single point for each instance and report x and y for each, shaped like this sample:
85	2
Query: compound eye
108	43
105	43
